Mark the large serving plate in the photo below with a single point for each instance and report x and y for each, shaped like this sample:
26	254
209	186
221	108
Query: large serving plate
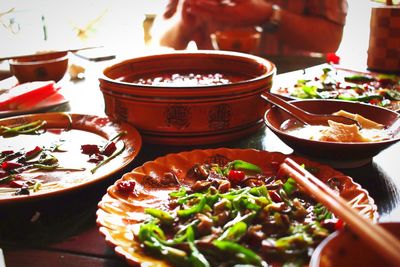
338	80
70	131
120	215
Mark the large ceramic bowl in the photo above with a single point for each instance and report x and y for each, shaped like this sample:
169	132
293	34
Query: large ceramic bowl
345	249
40	67
192	111
343	154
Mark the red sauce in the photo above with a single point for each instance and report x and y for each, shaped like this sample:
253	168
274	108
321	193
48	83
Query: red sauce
188	79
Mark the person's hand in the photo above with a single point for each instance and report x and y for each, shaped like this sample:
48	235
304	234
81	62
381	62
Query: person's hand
170	8
230	12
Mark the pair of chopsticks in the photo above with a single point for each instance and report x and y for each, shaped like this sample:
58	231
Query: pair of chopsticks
377	237
50	52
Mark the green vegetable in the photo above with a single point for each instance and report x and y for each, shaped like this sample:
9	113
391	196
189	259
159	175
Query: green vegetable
28	128
364	98
7	179
289	186
163	216
242	166
235	232
393	94
243	254
196	258
359	78
193	209
103	162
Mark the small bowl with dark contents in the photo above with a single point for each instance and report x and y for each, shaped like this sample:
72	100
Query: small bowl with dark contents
189	98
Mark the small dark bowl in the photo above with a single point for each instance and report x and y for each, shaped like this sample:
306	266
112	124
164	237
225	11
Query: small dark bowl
40	67
346	249
343	154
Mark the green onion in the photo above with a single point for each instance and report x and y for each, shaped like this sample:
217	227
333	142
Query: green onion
103	162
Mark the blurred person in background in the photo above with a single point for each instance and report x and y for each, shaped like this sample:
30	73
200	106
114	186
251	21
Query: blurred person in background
288	27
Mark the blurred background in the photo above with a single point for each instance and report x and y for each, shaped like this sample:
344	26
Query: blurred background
122	25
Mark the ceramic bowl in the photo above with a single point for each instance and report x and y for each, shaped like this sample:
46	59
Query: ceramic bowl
40	67
345	249
343	154
245	40
189	114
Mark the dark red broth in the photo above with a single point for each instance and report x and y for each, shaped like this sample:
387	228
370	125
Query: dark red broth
187	79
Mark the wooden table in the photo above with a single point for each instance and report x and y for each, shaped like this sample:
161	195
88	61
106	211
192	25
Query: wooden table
62	231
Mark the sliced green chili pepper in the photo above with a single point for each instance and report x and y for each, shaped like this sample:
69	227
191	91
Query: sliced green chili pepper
235	232
193	209
163	216
364	98
359	79
29	128
393	94
245	255
244	166
289	186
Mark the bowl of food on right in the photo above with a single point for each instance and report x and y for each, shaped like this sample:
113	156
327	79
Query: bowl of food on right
341	145
344	248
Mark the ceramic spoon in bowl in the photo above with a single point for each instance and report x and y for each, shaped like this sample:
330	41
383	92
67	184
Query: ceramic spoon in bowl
304	116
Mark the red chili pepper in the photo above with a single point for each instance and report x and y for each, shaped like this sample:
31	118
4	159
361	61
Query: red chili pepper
332	58
339	224
275	196
6	152
9	165
236	176
33	153
374	101
109	149
126	186
95	158
17	183
90	149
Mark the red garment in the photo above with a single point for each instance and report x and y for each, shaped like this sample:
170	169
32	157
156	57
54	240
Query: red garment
333	10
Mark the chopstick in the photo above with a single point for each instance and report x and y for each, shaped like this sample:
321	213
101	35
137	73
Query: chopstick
376	236
51	52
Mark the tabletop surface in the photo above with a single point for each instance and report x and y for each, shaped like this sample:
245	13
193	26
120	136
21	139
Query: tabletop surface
62	231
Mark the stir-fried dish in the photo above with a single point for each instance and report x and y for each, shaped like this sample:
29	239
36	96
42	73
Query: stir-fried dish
377	89
231	215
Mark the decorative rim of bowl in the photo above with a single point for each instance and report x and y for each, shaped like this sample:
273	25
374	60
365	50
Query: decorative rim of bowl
265	62
52	60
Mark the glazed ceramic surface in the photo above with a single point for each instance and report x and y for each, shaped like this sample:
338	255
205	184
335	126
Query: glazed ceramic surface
39	67
66	132
197	114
